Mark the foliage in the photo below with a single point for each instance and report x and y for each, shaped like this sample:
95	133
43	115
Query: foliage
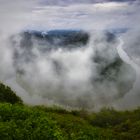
7	95
19	122
45	123
22	122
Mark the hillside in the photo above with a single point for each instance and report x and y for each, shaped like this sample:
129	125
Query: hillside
18	121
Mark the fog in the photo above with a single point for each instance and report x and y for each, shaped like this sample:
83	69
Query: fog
72	78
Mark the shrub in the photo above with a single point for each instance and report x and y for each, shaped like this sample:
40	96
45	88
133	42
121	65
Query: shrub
22	122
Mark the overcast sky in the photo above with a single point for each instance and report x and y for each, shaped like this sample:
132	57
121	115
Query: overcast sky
87	14
60	2
82	14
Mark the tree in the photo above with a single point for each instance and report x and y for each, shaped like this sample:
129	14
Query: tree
7	95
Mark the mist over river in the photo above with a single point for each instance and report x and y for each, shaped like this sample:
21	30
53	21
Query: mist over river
72	54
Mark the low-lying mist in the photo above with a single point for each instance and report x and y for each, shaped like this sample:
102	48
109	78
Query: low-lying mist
72	68
89	75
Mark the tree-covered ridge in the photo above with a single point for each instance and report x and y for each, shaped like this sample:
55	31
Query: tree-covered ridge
7	95
20	122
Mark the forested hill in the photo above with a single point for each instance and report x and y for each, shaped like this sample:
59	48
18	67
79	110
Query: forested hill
20	122
7	95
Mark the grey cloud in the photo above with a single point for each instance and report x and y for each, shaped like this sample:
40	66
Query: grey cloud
67	2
